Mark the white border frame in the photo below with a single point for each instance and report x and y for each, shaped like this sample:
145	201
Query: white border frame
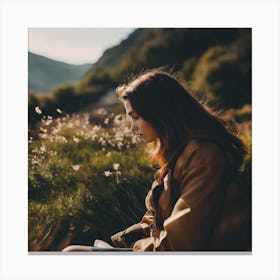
18	16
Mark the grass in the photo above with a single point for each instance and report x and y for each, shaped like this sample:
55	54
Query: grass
90	179
88	176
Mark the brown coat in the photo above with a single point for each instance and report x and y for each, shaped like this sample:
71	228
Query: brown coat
199	207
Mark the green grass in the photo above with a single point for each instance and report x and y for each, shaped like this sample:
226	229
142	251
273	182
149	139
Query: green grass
91	180
87	178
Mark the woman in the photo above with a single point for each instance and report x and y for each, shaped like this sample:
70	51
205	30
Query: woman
197	201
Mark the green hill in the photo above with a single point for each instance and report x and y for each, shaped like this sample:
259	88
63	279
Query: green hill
217	61
45	74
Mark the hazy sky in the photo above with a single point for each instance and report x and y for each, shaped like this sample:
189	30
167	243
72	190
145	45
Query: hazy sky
74	45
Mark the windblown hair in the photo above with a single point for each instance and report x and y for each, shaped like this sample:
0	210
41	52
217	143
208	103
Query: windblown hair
163	101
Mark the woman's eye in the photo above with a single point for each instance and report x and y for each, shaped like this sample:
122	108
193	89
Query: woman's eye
134	117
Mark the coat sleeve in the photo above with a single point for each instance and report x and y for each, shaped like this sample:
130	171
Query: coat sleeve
129	236
201	173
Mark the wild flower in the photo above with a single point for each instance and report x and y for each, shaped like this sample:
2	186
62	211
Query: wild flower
108	173
47	121
72	227
76	140
70	125
52	153
59	111
76	167
120	145
38	110
116	166
118	119
43	148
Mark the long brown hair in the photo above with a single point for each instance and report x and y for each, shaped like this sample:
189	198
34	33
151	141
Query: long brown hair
163	101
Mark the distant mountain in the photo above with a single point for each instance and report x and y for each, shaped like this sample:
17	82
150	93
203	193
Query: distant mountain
45	74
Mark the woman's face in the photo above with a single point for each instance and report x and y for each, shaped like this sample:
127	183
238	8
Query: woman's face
139	125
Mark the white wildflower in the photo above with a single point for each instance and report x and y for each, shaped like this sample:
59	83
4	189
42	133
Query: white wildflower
116	166
58	111
53	153
43	129
43	148
38	110
76	140
135	139
48	122
126	130
120	145
69	125
76	167
118	119
102	141
107	173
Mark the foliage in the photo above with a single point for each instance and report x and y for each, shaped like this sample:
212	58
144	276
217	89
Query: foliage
224	74
88	176
70	98
85	178
217	61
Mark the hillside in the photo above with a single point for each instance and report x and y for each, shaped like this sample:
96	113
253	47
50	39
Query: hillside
45	74
217	62
163	46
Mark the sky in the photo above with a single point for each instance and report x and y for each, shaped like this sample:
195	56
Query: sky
74	45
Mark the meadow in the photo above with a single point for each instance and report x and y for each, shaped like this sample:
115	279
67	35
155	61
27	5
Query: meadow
88	176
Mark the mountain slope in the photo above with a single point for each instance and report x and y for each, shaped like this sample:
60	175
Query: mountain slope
45	74
153	47
216	61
